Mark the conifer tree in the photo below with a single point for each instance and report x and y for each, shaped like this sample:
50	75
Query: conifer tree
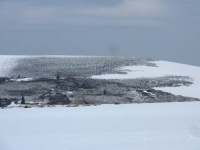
104	92
23	100
58	76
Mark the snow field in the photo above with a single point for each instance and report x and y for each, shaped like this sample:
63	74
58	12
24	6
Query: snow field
109	127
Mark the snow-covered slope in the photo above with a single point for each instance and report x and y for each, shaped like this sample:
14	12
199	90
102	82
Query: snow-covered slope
97	67
158	126
109	127
6	64
164	69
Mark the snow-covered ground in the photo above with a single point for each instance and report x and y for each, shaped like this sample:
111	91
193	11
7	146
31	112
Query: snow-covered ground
174	126
6	63
22	79
109	127
164	68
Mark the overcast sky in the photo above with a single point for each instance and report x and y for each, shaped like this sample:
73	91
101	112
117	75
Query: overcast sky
162	29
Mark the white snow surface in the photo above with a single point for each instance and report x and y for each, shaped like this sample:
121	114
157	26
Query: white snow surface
22	79
164	69
161	126
6	63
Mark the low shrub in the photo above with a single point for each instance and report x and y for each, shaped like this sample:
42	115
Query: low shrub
27	106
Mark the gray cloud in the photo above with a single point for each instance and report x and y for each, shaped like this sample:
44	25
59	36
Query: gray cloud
131	8
168	30
25	14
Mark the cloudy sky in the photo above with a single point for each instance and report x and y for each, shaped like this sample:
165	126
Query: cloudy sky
161	29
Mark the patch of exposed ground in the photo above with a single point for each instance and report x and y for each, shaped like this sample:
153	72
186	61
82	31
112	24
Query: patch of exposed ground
77	90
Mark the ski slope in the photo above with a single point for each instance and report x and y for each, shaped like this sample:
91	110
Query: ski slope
174	126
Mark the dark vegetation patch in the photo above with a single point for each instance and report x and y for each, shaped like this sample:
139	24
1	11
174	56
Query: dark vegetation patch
27	92
5	101
167	81
58	98
75	66
86	91
3	80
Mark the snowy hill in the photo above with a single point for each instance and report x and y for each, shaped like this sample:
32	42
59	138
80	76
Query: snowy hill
123	69
141	122
49	66
164	69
